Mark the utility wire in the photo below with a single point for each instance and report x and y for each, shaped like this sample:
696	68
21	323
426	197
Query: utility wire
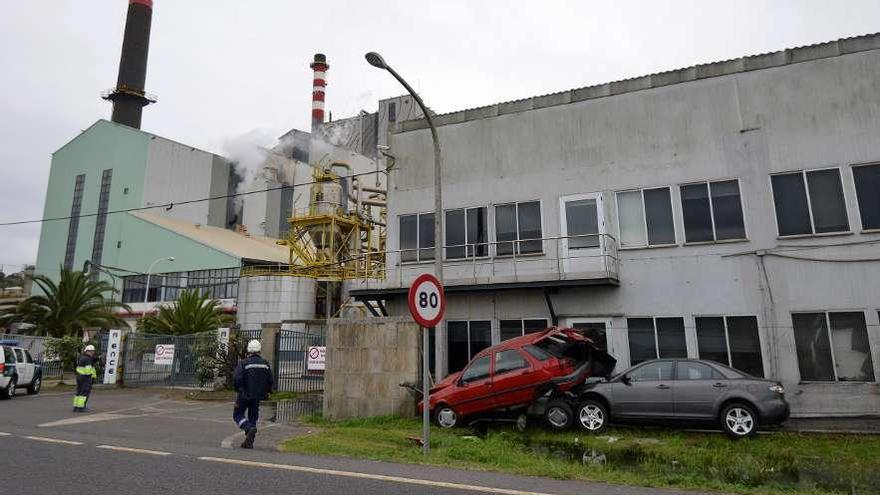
169	206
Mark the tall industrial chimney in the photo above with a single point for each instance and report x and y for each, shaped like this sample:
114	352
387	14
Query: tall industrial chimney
129	97
320	66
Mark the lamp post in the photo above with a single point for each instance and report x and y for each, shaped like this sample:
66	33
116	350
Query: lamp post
377	61
149	272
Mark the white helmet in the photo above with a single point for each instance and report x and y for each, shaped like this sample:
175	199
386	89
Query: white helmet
254	346
89	347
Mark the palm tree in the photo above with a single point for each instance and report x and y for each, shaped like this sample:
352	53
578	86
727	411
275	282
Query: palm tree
192	313
76	302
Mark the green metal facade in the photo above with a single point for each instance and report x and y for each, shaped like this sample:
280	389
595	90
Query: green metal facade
129	242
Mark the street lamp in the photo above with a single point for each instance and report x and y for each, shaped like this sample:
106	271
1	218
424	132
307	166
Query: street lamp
149	272
377	61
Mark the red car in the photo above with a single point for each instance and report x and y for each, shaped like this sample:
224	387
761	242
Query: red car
516	372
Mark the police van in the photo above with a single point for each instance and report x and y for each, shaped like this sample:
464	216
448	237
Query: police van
18	370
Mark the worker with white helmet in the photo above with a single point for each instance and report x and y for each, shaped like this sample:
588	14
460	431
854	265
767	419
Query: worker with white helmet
253	382
85	376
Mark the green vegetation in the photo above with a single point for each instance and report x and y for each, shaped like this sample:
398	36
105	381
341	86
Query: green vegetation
193	312
768	464
76	302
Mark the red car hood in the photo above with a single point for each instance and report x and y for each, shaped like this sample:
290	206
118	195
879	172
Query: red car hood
449	380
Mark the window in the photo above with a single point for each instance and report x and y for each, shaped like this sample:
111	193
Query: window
712	211
688	370
821	211
19	356
519	223
465	340
537	353
653	372
582	219
466	233
28	358
867	180
8	355
101	220
839	354
509	361
417	237
645	217
652	338
478	370
73	226
517	328
392	111
731	340
218	284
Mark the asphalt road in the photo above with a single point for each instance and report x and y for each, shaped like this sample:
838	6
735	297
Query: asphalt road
139	442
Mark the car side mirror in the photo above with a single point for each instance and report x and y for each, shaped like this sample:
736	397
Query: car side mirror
461	383
626	380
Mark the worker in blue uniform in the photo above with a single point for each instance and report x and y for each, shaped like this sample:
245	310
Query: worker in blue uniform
253	381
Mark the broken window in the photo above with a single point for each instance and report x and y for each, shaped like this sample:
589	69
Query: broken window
809	202
466	233
833	346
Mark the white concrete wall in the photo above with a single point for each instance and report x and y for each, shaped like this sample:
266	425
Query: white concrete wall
816	114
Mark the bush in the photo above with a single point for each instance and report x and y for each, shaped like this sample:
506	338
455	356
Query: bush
67	350
217	360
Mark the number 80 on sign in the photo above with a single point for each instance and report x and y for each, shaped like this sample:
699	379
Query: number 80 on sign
426	299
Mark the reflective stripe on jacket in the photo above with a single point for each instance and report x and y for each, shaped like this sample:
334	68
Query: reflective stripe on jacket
85	365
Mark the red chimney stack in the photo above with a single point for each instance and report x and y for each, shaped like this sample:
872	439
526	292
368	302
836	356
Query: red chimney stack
320	66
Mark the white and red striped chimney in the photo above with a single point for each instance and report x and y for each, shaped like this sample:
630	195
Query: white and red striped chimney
320	66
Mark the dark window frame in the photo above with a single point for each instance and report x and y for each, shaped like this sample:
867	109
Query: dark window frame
829	334
804	174
657	337
728	349
514	247
644	217
73	224
861	200
422	253
522	326
470	250
710	200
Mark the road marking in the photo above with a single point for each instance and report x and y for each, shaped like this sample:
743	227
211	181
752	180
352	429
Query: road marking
90	418
376	477
136	451
4	434
54	440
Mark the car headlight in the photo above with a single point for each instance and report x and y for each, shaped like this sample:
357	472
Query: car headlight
777	389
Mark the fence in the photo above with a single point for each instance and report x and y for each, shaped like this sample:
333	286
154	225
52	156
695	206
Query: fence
36	346
292	373
140	355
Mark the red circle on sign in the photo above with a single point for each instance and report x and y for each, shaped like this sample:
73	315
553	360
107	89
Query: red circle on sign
427	316
314	353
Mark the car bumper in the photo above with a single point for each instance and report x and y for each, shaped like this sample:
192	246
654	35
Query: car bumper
775	411
4	381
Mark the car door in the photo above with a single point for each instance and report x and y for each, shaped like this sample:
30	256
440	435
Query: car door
21	367
475	388
644	392
513	380
697	388
32	365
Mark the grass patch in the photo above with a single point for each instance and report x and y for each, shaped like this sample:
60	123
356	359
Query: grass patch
768	464
278	396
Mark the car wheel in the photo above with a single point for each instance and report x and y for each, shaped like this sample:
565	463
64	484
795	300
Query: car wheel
558	414
592	416
34	387
446	417
9	393
739	421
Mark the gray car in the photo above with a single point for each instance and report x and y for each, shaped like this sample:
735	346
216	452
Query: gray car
682	390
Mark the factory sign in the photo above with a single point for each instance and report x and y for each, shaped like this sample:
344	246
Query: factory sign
316	358
164	354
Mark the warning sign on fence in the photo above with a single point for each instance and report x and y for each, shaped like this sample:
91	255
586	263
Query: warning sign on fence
164	354
316	358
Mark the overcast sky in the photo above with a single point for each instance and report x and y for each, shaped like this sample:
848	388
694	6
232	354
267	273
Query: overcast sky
226	68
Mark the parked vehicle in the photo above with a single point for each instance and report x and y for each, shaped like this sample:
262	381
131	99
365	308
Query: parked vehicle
682	390
18	370
510	376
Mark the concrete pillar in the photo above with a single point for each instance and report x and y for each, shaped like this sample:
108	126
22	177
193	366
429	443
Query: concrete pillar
268	337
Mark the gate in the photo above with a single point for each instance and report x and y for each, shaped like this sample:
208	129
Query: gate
291	364
140	367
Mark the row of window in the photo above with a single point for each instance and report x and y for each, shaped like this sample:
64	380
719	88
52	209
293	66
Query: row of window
806	203
217	284
73	226
101	220
830	346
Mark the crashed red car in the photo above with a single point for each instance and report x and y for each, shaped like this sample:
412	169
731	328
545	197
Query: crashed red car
516	373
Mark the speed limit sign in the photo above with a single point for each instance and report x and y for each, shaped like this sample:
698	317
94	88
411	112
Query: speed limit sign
427	302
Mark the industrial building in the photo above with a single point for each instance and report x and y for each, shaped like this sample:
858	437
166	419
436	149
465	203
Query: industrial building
726	211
